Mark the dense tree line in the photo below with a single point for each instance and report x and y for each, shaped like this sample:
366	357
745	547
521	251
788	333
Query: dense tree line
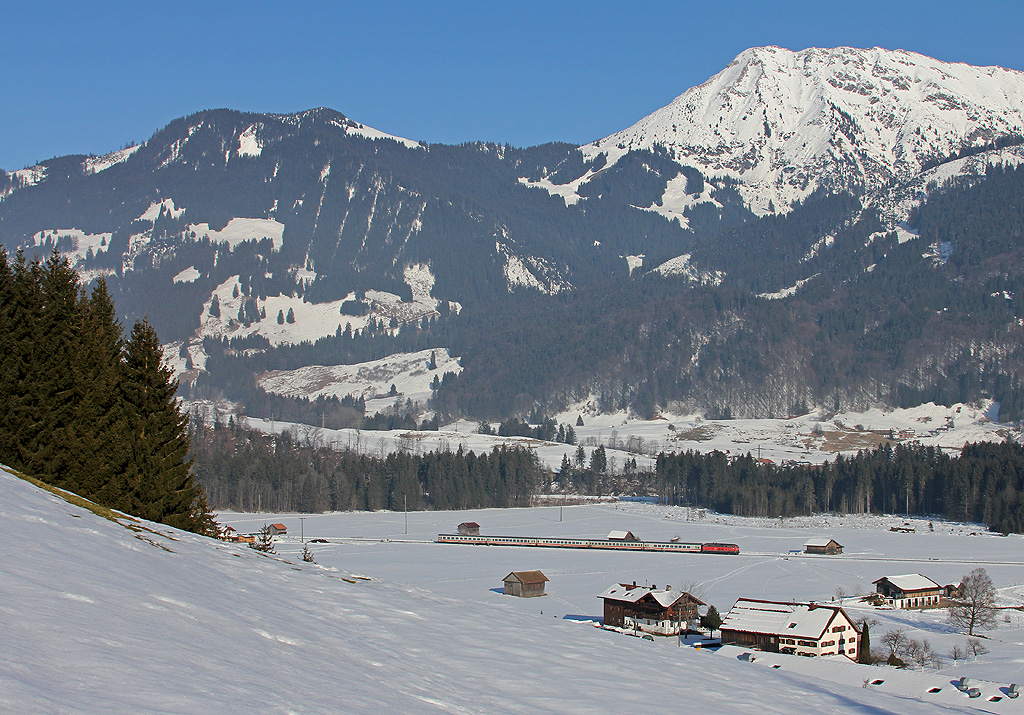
984	484
82	408
245	470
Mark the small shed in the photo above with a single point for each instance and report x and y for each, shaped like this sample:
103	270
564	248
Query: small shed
469	528
278	529
525	583
823	546
621	536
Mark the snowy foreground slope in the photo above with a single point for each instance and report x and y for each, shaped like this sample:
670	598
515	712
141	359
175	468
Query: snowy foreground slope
100	618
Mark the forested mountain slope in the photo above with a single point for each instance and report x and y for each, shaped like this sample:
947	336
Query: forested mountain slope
773	239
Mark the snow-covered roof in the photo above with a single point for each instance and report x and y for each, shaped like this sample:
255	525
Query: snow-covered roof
618	535
820	542
797	620
631	593
911	582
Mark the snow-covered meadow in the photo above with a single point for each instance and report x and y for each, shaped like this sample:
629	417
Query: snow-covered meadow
399	548
98	617
812	438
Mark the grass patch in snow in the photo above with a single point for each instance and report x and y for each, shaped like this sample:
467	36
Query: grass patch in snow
129	522
72	498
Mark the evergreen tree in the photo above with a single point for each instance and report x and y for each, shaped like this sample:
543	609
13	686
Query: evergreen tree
102	451
47	451
565	470
711	620
81	412
19	311
864	650
264	541
160	486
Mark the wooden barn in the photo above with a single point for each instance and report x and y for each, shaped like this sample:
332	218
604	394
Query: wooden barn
910	590
469	528
525	583
278	529
823	546
796	628
649	609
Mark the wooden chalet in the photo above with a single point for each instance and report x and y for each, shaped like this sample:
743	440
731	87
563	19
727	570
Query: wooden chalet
525	583
823	546
469	528
278	529
910	590
796	628
649	609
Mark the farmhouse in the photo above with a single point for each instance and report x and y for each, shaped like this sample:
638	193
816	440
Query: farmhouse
823	546
795	628
278	529
649	609
910	590
469	528
525	583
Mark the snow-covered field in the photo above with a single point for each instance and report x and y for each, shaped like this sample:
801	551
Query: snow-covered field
411	375
811	438
100	618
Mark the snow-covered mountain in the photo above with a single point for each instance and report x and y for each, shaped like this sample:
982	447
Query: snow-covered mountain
788	175
785	123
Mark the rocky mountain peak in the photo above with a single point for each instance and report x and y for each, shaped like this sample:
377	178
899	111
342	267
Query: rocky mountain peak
785	123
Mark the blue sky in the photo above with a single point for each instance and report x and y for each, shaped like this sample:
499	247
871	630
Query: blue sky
91	77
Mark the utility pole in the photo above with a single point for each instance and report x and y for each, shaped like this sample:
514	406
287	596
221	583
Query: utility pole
302	528
405	500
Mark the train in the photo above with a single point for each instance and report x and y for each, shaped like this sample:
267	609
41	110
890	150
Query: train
554	542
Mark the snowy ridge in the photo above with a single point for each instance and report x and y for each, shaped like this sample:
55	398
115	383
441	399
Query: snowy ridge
894	205
410	373
249	143
153	212
96	164
23	178
681	266
528	271
239	230
784	123
80	242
